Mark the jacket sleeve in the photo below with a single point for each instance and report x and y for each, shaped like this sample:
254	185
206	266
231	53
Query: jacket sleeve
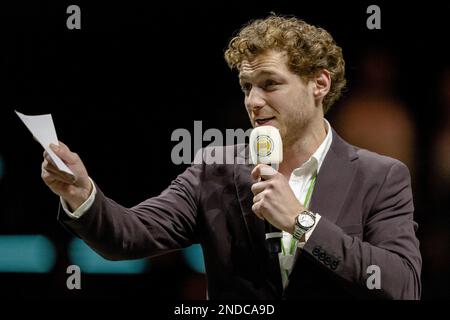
389	243
158	225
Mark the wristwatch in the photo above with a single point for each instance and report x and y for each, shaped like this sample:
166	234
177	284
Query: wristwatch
303	222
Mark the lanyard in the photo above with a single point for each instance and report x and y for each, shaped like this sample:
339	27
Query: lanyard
306	205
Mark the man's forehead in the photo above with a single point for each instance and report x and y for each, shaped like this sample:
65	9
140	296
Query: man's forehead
263	64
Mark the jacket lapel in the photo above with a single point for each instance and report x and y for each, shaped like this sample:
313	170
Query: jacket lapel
334	179
333	182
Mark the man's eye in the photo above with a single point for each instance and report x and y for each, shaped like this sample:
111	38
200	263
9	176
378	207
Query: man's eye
269	84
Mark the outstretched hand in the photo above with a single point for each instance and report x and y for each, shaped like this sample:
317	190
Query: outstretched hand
73	189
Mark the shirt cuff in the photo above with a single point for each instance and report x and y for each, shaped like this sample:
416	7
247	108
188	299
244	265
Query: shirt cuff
301	244
83	208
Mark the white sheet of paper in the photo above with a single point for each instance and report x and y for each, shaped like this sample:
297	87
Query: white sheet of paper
43	129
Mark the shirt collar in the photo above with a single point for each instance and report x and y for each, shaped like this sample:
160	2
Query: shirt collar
317	158
322	151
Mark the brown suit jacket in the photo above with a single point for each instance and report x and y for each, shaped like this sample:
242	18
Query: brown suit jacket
366	205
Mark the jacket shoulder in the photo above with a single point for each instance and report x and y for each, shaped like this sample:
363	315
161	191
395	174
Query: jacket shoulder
367	160
370	160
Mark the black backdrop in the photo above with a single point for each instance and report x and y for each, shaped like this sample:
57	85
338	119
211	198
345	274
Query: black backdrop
135	72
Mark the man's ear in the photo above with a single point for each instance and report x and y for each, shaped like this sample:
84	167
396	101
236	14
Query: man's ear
322	84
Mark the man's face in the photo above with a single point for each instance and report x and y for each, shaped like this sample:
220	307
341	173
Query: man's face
276	96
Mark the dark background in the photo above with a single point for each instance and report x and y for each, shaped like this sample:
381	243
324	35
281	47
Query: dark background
135	72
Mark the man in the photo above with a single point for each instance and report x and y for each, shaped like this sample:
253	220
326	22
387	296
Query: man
344	212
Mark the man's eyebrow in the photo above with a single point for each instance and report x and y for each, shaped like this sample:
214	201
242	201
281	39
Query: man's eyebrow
243	76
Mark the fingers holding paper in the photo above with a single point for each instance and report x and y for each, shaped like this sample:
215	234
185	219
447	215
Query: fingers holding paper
50	171
74	189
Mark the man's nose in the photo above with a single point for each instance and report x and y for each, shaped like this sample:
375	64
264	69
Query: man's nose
255	99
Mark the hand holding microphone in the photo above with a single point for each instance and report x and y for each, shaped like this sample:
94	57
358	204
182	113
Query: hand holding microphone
274	200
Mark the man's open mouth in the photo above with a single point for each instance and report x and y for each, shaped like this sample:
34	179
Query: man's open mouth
262	121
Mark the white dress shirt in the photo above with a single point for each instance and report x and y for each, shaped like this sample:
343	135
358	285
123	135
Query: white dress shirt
300	181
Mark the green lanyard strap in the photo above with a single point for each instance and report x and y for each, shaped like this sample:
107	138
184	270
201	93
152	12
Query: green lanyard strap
306	205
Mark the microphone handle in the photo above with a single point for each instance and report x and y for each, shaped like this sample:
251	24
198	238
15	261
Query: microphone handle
273	234
273	238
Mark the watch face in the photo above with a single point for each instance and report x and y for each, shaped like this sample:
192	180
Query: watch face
305	220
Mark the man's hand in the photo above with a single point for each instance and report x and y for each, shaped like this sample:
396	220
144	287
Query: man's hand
75	191
274	199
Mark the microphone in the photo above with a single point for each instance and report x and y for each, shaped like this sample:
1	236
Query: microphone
266	147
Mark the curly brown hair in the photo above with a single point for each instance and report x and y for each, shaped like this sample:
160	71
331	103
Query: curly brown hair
309	49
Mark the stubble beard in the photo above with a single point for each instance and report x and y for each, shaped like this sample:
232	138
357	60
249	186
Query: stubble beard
293	130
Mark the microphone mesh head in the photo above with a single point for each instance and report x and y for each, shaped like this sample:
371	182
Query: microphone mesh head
266	145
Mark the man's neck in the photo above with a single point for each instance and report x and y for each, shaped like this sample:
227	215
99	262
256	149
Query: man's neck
297	153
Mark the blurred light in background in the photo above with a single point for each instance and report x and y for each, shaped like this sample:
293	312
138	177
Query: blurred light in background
26	253
193	256
91	262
